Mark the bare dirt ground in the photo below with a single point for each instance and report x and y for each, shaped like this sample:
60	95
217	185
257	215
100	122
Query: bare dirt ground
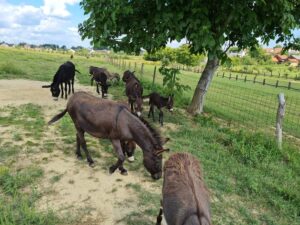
70	185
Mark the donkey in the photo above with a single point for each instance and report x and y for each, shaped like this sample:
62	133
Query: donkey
159	101
100	75
185	196
128	148
107	119
64	75
134	92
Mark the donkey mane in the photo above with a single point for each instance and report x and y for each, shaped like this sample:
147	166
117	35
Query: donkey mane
153	131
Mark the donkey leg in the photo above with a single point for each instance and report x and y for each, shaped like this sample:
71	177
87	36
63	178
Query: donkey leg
161	117
97	88
69	84
62	90
152	112
73	85
121	158
83	145
66	90
78	152
159	217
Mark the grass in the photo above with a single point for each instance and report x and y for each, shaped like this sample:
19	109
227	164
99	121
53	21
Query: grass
251	181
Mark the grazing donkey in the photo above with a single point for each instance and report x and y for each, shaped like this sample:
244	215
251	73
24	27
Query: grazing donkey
185	196
159	101
107	119
100	75
134	92
64	75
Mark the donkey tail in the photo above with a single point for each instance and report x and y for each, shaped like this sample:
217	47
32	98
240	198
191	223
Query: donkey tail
57	117
77	71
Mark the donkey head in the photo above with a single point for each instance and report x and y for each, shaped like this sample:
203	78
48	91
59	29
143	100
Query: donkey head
54	90
153	161
127	75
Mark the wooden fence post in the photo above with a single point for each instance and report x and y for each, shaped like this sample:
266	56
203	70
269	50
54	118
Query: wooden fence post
264	81
290	84
142	68
229	76
154	73
279	119
245	78
254	79
223	74
134	66
277	83
236	77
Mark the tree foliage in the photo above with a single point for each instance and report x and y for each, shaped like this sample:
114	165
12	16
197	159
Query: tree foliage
208	26
180	55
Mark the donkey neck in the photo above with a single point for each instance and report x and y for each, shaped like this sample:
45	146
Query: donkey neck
142	136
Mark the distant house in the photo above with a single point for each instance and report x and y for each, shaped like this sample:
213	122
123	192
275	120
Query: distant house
4	45
294	60
241	53
280	58
273	51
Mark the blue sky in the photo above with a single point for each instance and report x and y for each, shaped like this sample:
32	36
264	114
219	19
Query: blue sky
41	21
46	21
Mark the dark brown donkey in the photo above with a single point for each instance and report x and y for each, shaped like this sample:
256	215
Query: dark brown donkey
111	120
159	101
185	196
134	92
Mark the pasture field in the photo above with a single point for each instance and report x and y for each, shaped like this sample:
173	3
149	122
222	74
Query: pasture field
42	182
243	103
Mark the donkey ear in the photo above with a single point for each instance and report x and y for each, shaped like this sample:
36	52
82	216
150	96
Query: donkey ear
161	151
46	86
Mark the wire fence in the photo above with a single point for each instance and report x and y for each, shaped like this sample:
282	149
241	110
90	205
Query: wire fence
261	80
239	103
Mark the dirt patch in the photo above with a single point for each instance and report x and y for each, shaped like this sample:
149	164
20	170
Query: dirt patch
70	185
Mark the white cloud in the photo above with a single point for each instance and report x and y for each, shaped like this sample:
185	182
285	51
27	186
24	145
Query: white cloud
50	23
57	7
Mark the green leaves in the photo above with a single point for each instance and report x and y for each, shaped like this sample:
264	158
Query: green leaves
207	25
171	81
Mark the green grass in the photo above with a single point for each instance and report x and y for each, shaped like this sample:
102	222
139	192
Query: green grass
29	118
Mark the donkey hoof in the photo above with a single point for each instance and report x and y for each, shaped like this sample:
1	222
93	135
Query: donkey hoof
124	172
92	164
131	159
112	169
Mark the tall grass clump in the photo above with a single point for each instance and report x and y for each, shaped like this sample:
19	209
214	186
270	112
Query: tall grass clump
11	68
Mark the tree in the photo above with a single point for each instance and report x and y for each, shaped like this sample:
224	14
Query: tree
208	26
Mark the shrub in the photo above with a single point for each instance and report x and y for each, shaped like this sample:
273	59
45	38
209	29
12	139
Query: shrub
10	68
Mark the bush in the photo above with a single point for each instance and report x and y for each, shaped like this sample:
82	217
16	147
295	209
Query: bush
10	68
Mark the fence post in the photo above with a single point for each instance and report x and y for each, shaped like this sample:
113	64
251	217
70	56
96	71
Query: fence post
229	76
279	119
154	73
264	81
142	69
254	79
223	75
134	66
290	84
277	83
245	78
236	77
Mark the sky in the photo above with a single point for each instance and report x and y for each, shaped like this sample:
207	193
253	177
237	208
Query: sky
47	21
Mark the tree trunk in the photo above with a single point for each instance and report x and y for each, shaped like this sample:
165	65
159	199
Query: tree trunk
196	106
